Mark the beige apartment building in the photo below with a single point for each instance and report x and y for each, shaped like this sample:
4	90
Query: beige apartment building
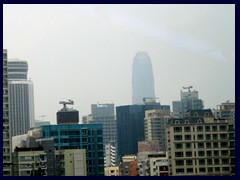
201	145
111	171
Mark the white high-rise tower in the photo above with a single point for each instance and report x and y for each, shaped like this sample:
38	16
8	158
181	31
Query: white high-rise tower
21	98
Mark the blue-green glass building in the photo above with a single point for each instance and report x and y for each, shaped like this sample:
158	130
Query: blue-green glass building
80	136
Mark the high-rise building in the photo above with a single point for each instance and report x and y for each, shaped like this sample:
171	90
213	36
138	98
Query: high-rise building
130	126
225	111
7	159
201	145
189	101
21	97
79	136
142	78
104	114
155	126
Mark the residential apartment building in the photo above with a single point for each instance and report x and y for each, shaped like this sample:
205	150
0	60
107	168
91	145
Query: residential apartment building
129	166
7	158
111	171
225	111
155	126
152	163
201	145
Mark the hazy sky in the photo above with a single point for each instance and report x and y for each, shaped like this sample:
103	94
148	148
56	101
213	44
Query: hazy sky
85	52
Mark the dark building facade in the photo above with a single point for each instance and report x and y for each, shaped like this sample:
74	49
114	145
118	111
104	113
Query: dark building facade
130	126
80	136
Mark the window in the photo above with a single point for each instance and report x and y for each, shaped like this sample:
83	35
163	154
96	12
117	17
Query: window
178	137
178	146
179	162
224	153
209	161
189	162
231	136
200	136
177	122
186	121
209	153
217	169
178	154
188	137
201	162
187	129
222	128
210	169
215	144
216	153
180	170
207	128
223	136
188	153
199	128
224	144
202	170
199	121
177	129
201	153
208	145
208	136
188	145
216	161
226	169
214	128
200	145
225	161
215	136
189	170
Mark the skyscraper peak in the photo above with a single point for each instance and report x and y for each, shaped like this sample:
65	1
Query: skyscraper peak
142	78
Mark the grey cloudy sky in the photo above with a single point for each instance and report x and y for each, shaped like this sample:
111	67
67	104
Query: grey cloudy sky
85	52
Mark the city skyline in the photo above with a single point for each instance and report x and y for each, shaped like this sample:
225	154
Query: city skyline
85	52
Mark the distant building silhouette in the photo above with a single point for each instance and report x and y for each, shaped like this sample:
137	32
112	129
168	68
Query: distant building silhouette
142	78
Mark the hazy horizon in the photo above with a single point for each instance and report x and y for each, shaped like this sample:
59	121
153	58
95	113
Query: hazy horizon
85	52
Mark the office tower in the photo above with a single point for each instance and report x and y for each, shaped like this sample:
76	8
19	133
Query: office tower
142	78
21	98
67	115
104	114
130	126
189	101
79	136
155	126
6	121
225	111
201	145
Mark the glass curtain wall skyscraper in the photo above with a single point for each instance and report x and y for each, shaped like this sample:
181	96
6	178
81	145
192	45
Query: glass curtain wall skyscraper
142	78
21	98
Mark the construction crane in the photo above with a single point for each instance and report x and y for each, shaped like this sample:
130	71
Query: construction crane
189	87
152	99
66	102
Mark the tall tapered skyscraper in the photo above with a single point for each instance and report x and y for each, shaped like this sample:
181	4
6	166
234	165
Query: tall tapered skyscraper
142	78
